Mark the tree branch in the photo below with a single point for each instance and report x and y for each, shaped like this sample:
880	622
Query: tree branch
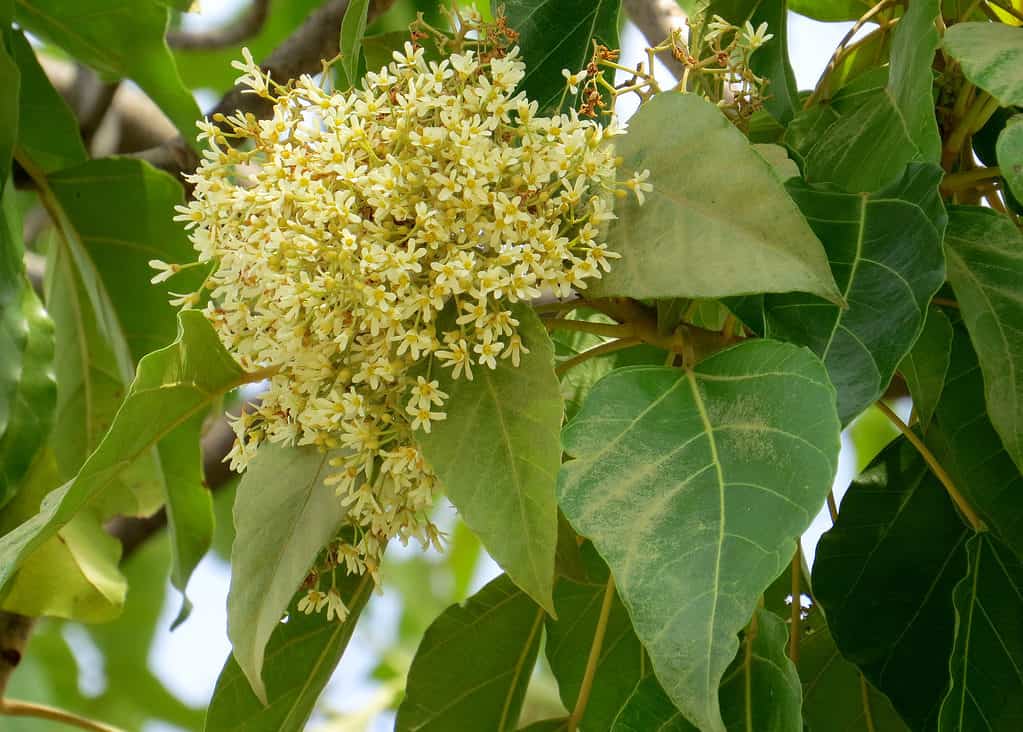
318	38
247	26
656	19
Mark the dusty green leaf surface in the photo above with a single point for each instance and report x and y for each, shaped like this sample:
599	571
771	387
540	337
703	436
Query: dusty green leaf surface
985	267
1009	150
671	470
283	516
491	639
718	221
497	456
991	55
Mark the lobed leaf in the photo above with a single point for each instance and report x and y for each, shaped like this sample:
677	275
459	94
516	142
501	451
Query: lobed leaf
672	473
718	221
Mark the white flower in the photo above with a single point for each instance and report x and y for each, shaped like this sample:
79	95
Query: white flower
755	38
574	80
313	602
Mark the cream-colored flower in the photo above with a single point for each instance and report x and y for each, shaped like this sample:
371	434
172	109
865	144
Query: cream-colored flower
349	222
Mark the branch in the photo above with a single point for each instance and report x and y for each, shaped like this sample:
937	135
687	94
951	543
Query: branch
318	38
249	25
656	19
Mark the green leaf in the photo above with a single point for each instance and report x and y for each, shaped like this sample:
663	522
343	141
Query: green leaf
353	28
27	388
966	445
171	387
283	516
108	316
830	11
863	150
647	708
718	221
985	267
836	697
884	575
885	251
926	365
73	574
556	35
991	55
491	639
761	691
670	470
10	81
120	247
121	38
987	658
771	60
622	663
887	126
48	133
497	456
910	78
300	658
1009	150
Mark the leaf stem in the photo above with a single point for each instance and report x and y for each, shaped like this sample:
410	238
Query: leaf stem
945	302
591	662
868	717
602	350
832	506
797	606
584	326
13	708
968	179
840	48
976	523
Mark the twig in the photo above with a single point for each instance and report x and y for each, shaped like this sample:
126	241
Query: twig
12	708
945	302
591	663
832	506
247	26
797	606
602	350
963	180
976	523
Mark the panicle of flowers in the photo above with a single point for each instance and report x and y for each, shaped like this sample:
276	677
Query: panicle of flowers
716	66
365	239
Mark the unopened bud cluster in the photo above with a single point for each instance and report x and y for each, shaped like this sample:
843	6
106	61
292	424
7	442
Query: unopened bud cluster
342	227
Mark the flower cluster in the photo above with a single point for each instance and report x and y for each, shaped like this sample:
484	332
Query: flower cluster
345	225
